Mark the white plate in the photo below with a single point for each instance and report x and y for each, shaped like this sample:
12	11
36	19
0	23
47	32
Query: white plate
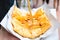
7	25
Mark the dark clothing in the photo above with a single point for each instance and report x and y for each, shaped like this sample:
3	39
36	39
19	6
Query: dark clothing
4	7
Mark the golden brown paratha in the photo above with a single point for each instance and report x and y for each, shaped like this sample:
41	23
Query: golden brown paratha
28	28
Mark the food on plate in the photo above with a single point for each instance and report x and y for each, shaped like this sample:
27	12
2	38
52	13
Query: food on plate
24	26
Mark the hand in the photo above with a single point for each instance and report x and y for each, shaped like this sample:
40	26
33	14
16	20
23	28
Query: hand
4	35
58	11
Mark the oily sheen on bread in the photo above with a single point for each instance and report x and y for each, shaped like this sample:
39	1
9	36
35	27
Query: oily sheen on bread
27	26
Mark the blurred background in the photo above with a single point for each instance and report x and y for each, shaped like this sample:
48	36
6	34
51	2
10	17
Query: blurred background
38	3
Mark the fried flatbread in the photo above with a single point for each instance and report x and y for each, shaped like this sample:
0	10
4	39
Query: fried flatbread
28	28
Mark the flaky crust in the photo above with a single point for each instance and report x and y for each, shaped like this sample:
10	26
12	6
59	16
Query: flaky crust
28	28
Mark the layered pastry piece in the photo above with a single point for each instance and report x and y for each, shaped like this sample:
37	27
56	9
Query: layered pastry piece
25	27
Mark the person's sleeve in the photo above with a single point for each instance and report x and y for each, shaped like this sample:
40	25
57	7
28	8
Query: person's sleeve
4	7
